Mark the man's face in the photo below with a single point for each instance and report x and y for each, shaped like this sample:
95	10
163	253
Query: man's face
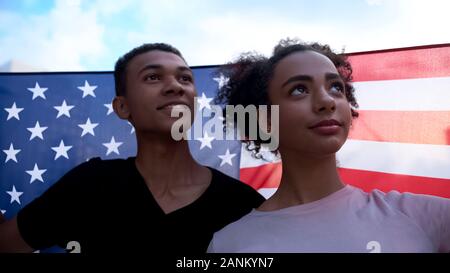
156	82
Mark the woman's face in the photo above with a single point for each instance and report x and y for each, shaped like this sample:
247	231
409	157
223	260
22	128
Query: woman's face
315	115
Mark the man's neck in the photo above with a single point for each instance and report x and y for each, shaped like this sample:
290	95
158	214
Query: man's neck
165	164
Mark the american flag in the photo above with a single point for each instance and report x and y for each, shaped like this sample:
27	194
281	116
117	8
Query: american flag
51	122
401	139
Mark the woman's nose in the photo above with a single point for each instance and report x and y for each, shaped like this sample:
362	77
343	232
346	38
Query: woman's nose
323	101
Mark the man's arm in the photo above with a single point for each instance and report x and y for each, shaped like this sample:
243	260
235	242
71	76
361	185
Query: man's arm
10	238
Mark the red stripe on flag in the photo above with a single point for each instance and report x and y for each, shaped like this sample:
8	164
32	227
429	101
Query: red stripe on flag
419	127
264	176
269	176
420	62
368	180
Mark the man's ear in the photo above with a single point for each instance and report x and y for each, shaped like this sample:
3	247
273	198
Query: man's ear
120	106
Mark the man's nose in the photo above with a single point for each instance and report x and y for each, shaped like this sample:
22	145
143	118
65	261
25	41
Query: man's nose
173	86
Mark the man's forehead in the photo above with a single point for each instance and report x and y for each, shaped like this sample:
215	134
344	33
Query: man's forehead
157	58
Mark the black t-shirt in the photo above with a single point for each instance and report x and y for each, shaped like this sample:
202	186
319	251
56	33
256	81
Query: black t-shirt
106	206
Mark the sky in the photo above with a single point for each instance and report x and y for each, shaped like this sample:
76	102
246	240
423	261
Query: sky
89	35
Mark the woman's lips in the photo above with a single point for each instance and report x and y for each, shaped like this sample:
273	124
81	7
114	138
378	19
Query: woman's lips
327	130
326	127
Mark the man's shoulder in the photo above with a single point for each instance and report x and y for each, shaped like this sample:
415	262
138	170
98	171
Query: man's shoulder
228	182
94	172
99	166
233	188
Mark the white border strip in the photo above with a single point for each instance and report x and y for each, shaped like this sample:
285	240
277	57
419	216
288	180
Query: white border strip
396	158
425	94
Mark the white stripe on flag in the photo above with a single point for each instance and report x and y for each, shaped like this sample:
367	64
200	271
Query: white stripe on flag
267	192
425	94
397	158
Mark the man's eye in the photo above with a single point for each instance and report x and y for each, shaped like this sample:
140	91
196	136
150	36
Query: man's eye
152	77
186	78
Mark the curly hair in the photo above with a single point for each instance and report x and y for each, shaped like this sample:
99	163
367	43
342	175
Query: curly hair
250	74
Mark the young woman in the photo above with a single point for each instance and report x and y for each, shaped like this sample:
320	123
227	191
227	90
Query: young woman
313	210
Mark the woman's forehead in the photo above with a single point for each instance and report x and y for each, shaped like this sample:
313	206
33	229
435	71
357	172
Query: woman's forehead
305	62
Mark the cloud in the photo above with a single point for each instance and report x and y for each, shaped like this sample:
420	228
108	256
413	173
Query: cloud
94	33
374	2
393	24
412	23
58	41
219	38
222	38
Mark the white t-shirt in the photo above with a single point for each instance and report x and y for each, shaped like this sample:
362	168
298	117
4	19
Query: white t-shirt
348	220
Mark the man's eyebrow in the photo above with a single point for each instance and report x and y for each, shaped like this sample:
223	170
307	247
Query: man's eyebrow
150	66
297	78
158	66
184	68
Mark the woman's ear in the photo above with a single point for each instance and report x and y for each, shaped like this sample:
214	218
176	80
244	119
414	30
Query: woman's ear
120	106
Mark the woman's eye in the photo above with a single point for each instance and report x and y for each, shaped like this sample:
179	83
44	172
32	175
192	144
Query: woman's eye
299	90
337	87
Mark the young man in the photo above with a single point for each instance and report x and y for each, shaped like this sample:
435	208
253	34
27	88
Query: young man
161	200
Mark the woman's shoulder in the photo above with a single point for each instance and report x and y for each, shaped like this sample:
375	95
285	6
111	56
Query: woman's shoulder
414	205
396	197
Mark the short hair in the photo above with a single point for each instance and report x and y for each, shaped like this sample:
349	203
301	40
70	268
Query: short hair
250	74
122	63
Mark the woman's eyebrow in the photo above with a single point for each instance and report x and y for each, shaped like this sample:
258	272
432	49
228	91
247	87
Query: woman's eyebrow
297	78
332	76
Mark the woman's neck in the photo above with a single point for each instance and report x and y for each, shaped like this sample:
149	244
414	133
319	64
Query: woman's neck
305	179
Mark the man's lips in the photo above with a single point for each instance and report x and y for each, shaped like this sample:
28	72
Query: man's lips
326	123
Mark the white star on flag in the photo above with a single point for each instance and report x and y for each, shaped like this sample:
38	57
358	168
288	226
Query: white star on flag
87	89
226	158
205	141
3	211
13	112
36	173
112	146
38	91
110	108
204	102
221	80
36	131
61	150
88	127
63	109
15	195
11	153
